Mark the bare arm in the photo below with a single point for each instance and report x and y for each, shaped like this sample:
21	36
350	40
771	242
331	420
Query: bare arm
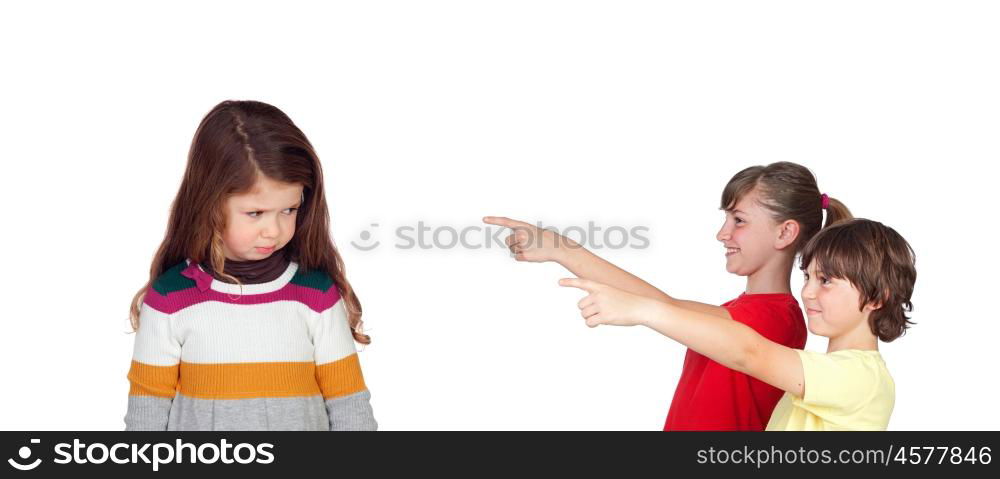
587	265
730	343
530	243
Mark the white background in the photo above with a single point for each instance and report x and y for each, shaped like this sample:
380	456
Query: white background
624	113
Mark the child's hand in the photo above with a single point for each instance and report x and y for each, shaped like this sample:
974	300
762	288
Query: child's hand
530	243
607	305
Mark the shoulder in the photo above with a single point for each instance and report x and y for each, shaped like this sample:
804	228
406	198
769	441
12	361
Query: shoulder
777	317
315	279
315	288
846	379
848	368
171	291
172	280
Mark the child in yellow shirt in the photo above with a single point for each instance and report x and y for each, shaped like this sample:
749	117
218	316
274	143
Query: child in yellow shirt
859	279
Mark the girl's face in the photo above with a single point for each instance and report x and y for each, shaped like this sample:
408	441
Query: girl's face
261	219
832	304
750	235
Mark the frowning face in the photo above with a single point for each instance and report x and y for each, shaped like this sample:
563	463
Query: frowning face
262	221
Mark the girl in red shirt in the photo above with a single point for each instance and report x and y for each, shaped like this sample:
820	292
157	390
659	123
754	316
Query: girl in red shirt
771	212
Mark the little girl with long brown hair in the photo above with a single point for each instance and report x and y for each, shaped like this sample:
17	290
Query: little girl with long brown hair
248	320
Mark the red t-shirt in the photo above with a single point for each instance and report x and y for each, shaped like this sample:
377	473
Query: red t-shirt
712	397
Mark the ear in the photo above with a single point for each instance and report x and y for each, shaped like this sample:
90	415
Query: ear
873	305
788	232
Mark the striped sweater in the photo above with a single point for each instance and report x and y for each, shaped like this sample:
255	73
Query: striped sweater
278	357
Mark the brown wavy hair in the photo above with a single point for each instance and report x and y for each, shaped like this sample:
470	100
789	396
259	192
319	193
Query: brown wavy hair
790	192
878	262
236	143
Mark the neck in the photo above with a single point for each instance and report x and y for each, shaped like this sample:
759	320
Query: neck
860	338
773	277
253	271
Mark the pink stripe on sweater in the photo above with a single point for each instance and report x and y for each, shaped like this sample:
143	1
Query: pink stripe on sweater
177	300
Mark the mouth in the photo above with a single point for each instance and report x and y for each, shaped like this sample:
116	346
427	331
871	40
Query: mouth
731	251
812	312
265	250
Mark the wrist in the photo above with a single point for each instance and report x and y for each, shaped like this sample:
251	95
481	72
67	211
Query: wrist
566	251
652	311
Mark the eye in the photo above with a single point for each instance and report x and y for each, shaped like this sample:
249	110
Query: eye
252	213
824	280
738	220
291	211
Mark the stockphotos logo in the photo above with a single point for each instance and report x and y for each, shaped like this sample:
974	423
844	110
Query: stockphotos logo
25	454
156	454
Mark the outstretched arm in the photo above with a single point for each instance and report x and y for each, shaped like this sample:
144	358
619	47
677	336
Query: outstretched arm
531	243
730	343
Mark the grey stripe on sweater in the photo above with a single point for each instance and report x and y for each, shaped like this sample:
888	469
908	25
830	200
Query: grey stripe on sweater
303	413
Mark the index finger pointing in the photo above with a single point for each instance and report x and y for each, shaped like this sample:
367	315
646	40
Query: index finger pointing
505	222
584	284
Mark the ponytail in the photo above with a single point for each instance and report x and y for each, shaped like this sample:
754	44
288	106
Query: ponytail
836	212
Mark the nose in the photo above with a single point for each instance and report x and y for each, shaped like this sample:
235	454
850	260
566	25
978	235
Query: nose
808	290
725	233
271	229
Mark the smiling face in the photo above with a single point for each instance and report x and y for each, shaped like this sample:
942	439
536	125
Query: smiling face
832	306
750	235
263	218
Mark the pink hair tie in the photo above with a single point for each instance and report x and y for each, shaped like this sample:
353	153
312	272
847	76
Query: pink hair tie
826	201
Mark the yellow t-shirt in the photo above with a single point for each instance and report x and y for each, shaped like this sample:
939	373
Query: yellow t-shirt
848	390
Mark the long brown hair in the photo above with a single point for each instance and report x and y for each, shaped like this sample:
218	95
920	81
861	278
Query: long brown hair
236	143
789	191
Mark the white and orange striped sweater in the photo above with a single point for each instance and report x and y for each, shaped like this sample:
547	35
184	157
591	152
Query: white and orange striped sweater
278	357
